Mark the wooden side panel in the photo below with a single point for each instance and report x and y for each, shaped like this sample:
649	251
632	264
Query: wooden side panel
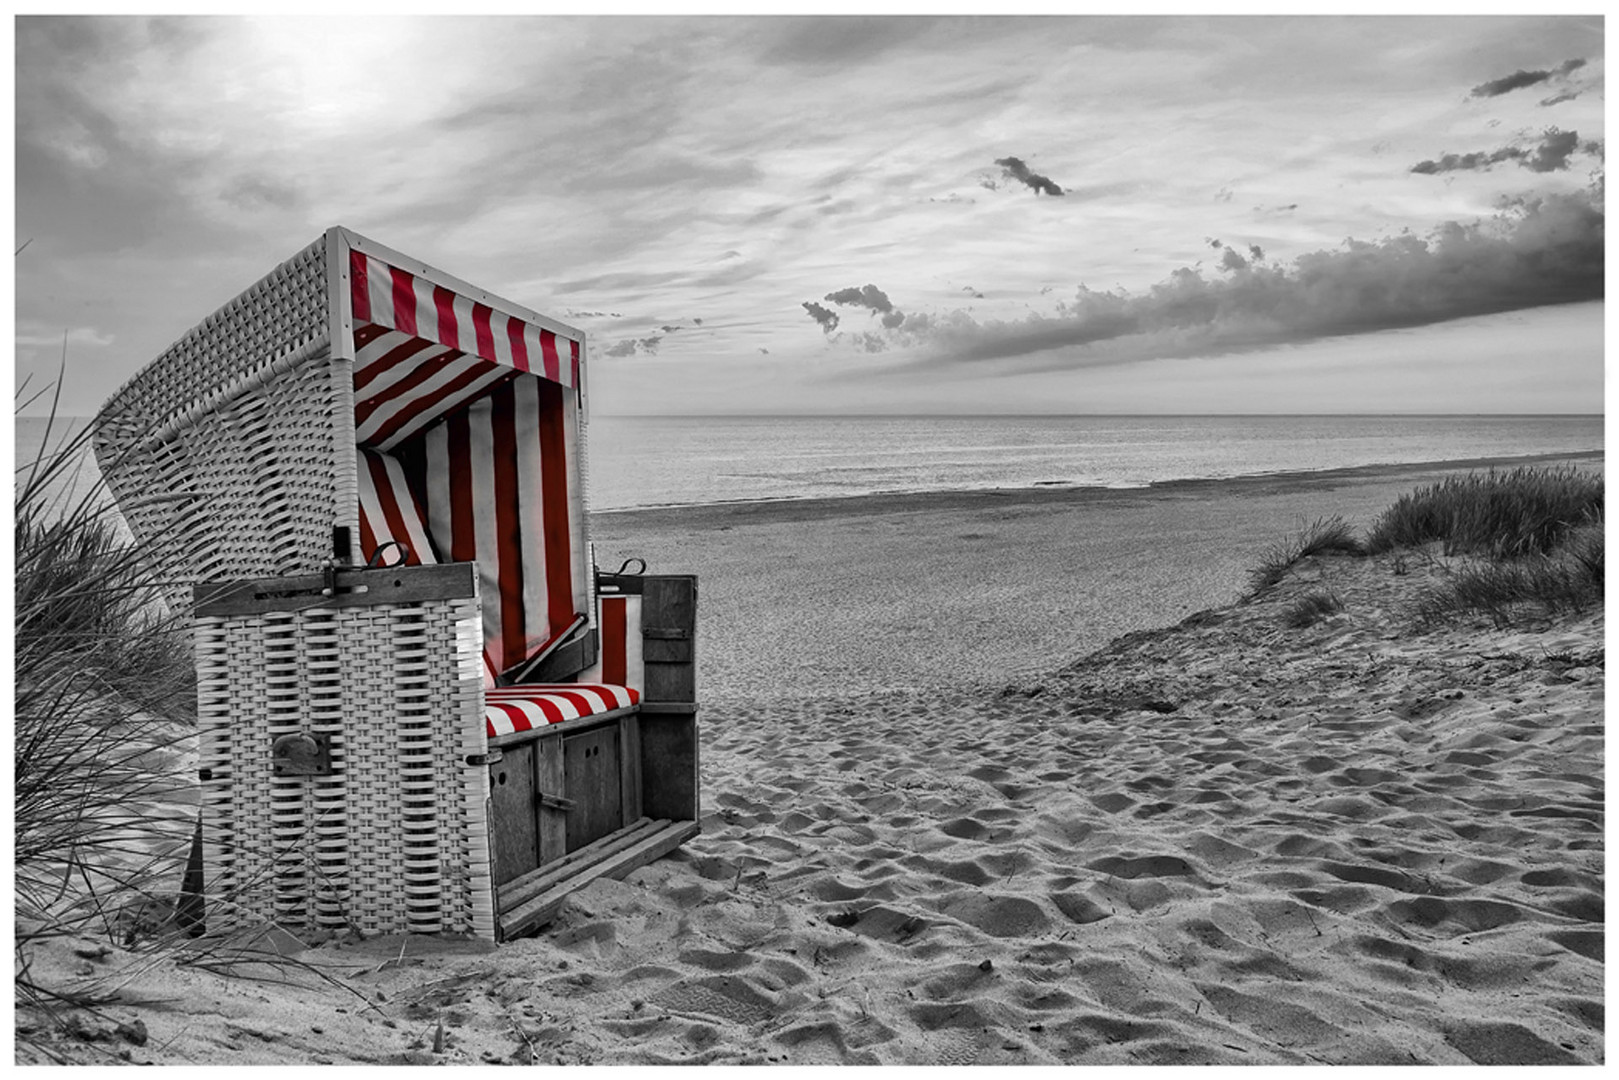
591	762
549	780
669	766
514	830
630	766
669	637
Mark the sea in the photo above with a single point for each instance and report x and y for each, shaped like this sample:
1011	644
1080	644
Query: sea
674	461
659	461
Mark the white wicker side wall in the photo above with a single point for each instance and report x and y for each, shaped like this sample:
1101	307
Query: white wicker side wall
226	453
396	838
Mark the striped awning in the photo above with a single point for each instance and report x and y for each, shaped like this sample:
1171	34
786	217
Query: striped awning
395	299
422	351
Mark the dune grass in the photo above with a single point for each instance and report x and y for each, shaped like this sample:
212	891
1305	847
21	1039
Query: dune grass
1569	579
1533	538
1501	515
1311	608
105	699
1324	535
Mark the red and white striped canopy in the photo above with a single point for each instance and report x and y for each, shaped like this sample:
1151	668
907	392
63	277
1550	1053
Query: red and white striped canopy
422	351
398	300
467	421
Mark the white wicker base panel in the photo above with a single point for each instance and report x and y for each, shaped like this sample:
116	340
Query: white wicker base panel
394	837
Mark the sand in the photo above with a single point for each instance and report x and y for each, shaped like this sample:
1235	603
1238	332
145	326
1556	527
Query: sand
1014	779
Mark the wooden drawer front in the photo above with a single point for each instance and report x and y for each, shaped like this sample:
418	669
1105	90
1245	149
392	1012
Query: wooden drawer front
593	781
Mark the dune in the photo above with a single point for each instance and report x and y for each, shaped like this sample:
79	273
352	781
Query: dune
1019	780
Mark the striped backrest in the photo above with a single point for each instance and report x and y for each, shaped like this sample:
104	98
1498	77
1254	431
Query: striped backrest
500	490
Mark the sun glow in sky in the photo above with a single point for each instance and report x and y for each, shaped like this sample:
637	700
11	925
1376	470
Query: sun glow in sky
956	214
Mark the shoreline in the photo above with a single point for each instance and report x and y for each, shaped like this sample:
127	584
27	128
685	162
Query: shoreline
974	589
821	506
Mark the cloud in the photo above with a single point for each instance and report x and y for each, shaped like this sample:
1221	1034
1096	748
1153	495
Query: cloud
1478	159
825	316
831	40
1520	79
869	296
631	346
1017	170
36	337
1558	99
1549	155
1539	252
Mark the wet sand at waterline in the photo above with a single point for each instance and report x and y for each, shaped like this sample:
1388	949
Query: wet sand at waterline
951	815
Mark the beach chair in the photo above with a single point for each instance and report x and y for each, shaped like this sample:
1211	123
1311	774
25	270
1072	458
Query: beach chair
421	708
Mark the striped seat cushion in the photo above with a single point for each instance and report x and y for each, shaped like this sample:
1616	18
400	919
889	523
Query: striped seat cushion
510	709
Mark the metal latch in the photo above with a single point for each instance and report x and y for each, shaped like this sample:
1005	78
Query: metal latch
555	802
301	754
492	757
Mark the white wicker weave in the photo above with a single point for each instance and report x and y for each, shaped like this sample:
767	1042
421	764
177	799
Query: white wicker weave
231	455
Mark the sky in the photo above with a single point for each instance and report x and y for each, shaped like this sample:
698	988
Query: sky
971	214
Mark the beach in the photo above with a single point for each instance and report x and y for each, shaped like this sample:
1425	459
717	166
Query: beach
1021	777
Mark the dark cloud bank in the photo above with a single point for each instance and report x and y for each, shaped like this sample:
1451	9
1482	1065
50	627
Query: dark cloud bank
1551	154
1520	79
1539	252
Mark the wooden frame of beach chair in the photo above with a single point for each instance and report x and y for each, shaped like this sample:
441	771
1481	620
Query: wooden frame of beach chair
420	707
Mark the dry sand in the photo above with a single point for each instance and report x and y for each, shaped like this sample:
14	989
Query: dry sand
932	836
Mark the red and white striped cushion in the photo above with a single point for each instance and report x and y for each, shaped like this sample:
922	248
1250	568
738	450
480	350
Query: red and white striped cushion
389	511
511	709
500	490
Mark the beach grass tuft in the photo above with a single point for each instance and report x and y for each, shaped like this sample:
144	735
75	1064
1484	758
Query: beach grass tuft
1311	608
1568	579
105	701
1527	511
1331	535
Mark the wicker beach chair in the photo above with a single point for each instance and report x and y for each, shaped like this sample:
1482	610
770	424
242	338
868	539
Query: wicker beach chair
420	707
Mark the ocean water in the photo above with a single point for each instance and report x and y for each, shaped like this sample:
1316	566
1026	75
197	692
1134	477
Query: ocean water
659	461
675	461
